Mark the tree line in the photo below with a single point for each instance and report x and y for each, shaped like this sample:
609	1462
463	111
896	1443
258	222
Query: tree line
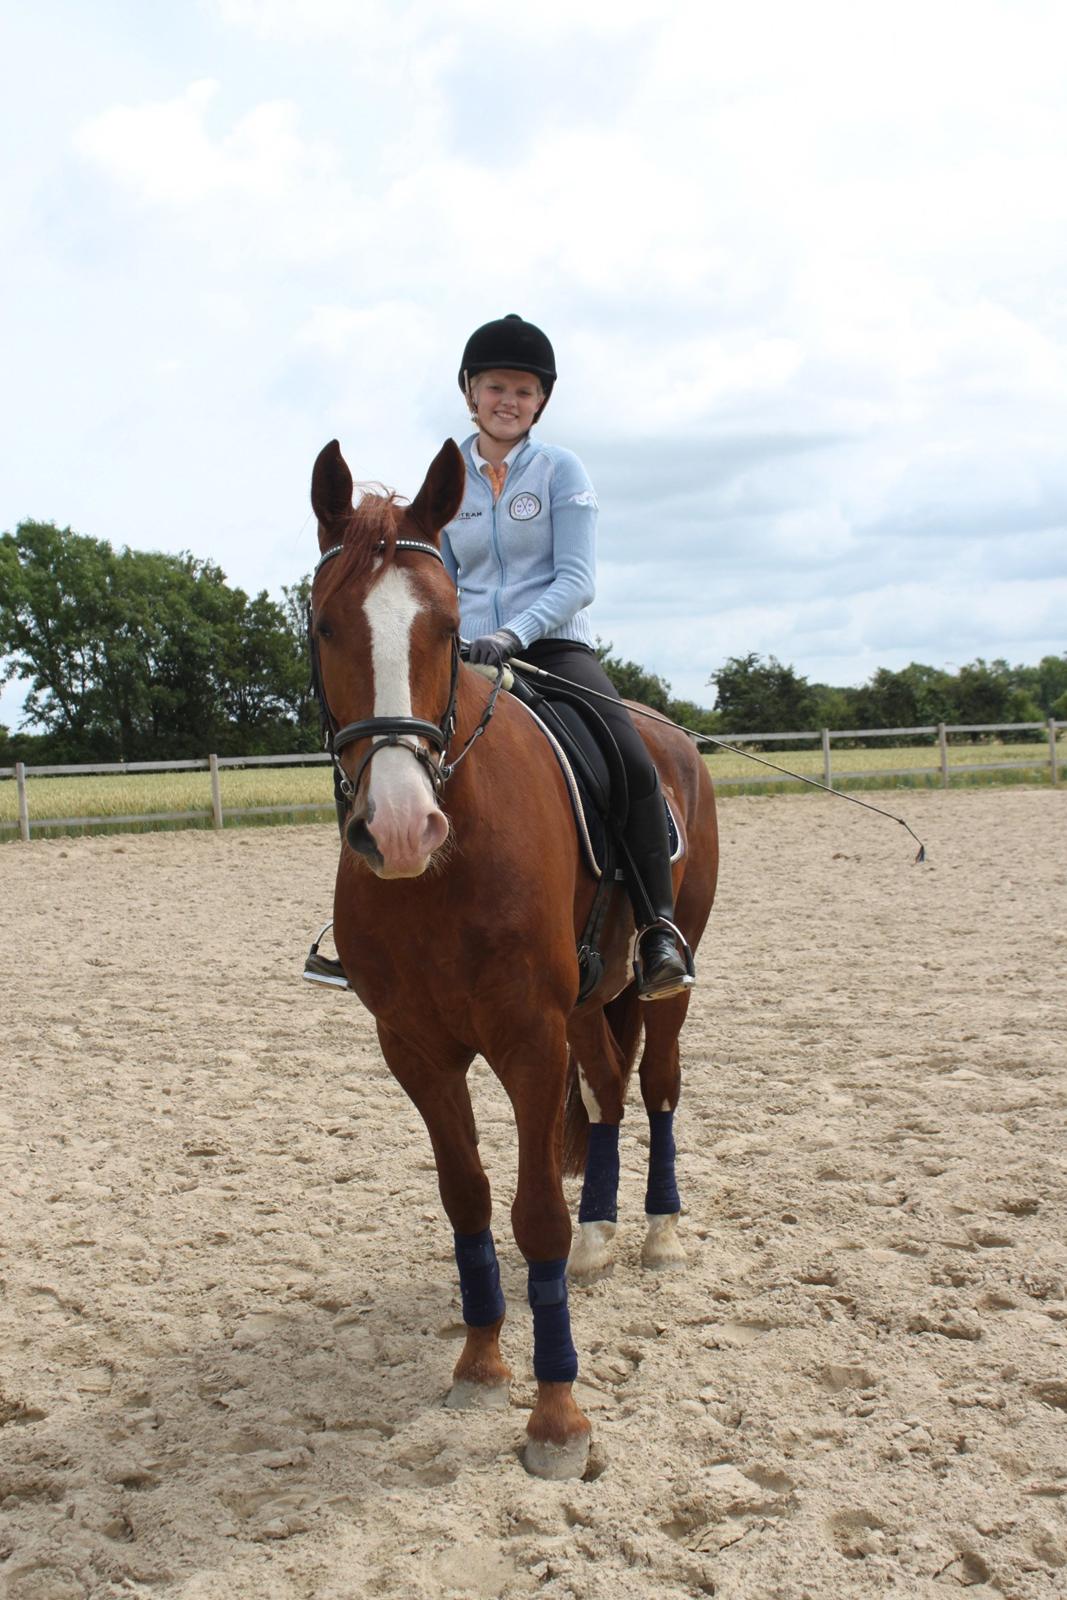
754	694
137	656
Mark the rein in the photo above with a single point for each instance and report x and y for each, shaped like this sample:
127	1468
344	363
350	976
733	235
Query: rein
395	731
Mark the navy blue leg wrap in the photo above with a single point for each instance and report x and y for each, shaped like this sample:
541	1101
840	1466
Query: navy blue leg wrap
600	1191
479	1278
555	1358
662	1196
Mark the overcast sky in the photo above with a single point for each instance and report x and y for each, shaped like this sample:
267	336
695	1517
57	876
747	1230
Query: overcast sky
803	267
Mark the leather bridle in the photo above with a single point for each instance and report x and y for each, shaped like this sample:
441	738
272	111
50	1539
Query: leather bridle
394	731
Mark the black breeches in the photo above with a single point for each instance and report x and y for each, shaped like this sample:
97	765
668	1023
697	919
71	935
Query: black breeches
582	670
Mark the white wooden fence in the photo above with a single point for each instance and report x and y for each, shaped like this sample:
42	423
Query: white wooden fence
216	764
941	732
211	764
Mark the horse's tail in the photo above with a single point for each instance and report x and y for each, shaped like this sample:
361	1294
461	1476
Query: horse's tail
622	1018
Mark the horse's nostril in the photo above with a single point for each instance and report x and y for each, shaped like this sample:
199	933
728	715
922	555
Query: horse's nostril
435	832
362	840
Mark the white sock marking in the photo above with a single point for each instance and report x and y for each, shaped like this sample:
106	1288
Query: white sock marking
589	1099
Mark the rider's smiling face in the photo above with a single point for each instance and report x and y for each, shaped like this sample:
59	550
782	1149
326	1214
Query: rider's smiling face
506	403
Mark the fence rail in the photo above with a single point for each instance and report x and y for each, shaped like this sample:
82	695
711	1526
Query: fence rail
940	732
217	814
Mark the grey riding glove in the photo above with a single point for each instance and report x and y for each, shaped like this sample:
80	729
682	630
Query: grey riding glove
493	649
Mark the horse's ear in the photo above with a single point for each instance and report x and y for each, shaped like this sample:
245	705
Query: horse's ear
442	493
331	492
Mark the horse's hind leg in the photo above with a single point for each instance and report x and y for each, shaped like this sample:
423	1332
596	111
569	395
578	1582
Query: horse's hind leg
439	1090
661	1082
604	1045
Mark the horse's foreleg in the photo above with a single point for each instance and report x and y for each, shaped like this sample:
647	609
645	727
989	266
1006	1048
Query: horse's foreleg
557	1432
481	1377
661	1082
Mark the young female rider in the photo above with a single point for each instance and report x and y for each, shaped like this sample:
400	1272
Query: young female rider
521	552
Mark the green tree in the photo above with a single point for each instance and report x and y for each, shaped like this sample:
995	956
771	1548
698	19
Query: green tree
984	692
835	708
303	707
917	696
1049	686
758	696
632	681
262	676
689	715
134	655
56	616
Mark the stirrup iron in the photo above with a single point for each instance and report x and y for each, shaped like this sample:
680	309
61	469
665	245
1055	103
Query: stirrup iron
684	981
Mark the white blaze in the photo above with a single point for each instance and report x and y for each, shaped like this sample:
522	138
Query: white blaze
402	808
391	608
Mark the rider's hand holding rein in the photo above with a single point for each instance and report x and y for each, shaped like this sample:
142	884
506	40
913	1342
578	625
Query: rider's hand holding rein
493	649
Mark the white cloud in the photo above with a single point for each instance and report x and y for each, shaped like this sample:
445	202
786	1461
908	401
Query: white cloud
291	20
165	153
803	269
399	343
366	24
260	191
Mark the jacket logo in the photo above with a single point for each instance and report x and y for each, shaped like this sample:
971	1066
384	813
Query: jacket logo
465	516
523	507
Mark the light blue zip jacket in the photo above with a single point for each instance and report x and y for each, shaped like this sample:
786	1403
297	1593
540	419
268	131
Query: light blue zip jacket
527	562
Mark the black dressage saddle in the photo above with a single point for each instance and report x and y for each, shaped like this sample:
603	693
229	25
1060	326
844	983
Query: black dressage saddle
596	782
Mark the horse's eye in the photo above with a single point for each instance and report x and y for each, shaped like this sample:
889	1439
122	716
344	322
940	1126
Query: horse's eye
323	630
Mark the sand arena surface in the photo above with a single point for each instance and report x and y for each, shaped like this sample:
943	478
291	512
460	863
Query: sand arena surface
228	1310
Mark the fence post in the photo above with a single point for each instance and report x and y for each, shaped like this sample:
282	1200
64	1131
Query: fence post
24	809
1053	754
216	791
942	739
827	777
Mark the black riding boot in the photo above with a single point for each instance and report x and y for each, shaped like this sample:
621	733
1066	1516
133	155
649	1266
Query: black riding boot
660	967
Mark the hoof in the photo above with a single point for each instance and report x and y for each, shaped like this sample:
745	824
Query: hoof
467	1396
543	1459
662	1248
593	1253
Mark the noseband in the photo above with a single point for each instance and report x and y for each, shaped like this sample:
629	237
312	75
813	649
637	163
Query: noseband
394	731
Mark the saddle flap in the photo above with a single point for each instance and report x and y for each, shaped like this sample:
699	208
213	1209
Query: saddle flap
588	744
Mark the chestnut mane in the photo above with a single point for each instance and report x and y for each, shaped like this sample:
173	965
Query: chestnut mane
369	532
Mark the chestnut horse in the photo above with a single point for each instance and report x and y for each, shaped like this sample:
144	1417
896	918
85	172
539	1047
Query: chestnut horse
460	895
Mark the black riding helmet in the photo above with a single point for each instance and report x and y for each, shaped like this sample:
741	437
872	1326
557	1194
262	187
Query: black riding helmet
511	343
